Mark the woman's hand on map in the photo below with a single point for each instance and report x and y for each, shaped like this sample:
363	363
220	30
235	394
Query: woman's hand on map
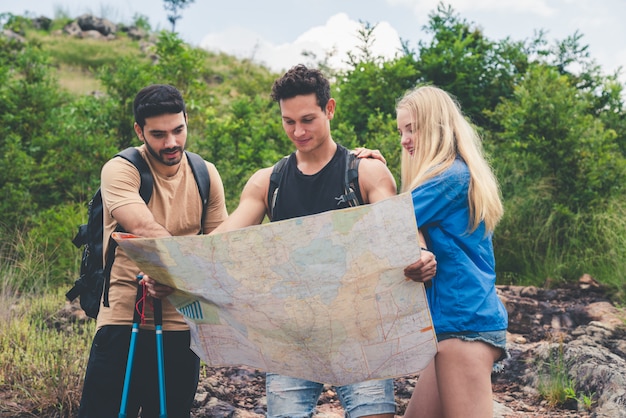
423	269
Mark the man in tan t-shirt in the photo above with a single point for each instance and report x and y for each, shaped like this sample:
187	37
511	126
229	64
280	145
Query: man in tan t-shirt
175	208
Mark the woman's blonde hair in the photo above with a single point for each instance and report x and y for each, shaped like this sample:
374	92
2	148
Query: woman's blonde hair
441	134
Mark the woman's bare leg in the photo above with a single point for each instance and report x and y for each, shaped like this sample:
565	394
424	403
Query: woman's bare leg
425	401
464	378
457	383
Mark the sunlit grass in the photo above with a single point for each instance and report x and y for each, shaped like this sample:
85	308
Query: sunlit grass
42	356
43	349
78	81
87	53
554	383
538	244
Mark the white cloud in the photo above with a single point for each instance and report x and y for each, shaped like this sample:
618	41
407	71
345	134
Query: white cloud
339	34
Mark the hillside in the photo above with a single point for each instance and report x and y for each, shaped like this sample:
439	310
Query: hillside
82	47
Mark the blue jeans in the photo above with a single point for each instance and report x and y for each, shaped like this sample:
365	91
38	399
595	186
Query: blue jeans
290	397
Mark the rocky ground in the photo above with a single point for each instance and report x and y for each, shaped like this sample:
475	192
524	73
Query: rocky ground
576	326
240	393
578	322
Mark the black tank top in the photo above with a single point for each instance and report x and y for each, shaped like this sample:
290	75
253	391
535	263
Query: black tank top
300	194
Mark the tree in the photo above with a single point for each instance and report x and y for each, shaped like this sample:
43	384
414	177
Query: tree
29	119
372	84
173	6
556	141
603	93
462	61
562	177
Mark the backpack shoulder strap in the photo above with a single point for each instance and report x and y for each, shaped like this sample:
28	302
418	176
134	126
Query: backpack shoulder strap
275	177
146	184
201	174
352	192
133	155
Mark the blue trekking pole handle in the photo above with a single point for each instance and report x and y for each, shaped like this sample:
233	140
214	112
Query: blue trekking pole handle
158	327
131	351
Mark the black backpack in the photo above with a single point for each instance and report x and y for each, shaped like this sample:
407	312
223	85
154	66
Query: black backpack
94	277
350	182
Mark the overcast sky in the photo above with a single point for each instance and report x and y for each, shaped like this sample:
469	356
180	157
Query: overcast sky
274	32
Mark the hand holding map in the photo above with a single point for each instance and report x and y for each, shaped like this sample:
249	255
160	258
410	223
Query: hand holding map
320	297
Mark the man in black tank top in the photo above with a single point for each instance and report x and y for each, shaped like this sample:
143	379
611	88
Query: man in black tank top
312	182
302	194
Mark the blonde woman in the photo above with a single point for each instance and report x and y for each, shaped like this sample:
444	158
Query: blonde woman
457	206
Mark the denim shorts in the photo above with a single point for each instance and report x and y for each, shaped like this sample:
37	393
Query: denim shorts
494	338
296	398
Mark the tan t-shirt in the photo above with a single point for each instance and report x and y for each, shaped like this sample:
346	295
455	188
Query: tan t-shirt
176	205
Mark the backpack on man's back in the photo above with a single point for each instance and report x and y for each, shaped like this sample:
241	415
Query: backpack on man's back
93	283
351	180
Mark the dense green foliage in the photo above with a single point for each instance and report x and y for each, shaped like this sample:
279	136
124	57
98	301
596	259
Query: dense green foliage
553	126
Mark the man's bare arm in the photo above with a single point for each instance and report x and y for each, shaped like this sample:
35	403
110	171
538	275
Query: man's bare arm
136	218
375	181
252	203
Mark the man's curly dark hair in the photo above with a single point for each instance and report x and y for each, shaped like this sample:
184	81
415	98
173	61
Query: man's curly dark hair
300	80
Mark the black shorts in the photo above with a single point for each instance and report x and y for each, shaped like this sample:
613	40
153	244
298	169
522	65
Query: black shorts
106	369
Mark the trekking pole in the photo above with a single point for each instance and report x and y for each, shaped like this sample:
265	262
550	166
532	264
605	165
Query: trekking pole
158	327
131	349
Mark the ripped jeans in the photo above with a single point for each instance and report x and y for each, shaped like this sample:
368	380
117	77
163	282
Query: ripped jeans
296	398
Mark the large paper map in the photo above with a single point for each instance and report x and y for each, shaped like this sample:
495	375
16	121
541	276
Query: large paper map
320	297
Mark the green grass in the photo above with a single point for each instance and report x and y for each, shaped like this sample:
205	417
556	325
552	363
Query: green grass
22	268
78	81
555	385
78	60
43	349
536	244
87	53
43	356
